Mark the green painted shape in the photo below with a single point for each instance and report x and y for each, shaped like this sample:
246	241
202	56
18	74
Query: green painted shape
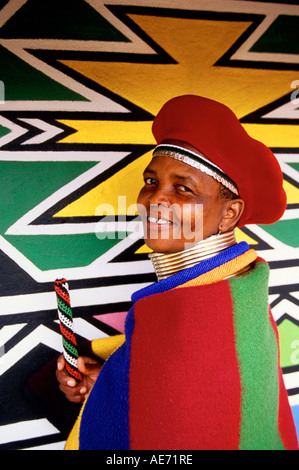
289	343
59	19
23	82
287	231
4	131
61	251
281	37
294	165
256	349
23	185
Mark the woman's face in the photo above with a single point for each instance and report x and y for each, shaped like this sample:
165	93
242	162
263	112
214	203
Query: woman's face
179	205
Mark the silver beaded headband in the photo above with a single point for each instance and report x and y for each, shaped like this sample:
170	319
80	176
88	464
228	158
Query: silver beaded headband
197	161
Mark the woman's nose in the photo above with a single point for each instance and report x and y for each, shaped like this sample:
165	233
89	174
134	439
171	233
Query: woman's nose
159	197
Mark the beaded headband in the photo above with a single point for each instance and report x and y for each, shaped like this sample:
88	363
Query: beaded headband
197	161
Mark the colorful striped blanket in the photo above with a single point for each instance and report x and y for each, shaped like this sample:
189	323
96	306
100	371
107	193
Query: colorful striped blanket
198	367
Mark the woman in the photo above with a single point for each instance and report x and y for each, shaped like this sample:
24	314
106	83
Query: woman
198	366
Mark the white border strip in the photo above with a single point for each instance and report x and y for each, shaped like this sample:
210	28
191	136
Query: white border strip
26	430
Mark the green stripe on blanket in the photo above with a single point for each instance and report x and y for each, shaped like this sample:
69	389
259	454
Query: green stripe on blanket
257	354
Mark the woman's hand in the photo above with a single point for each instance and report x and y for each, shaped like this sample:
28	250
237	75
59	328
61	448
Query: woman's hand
89	369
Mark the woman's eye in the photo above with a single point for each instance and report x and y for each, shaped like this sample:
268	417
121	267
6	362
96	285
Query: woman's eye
184	188
149	181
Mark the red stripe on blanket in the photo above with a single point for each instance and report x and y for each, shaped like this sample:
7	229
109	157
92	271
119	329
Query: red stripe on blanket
184	390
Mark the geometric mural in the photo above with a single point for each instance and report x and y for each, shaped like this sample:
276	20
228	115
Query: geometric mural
80	83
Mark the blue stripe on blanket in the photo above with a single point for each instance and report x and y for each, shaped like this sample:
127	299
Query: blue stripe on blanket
108	403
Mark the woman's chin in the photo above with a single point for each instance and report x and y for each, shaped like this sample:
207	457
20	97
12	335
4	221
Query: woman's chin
165	246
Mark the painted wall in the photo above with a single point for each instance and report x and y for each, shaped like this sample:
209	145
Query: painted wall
80	84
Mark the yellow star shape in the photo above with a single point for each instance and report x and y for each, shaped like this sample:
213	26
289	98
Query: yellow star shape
196	45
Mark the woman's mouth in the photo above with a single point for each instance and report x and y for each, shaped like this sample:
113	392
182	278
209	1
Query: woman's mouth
160	221
158	224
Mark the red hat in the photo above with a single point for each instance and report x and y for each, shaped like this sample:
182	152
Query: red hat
214	130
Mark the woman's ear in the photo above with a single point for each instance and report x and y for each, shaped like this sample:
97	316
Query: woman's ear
233	210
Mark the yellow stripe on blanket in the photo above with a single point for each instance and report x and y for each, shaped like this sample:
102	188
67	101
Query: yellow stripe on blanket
104	347
224	271
72	442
